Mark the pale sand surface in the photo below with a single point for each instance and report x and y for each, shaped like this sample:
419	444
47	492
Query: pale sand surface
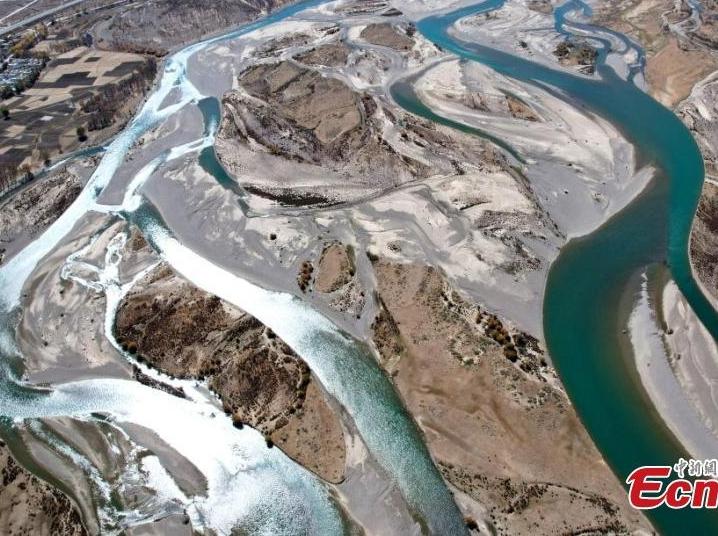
488	229
693	356
675	394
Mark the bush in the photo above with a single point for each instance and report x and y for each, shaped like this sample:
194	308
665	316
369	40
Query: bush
511	355
562	50
8	174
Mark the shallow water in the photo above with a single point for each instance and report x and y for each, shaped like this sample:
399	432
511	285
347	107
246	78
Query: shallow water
258	488
583	320
268	493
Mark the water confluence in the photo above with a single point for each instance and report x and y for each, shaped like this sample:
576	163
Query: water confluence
583	318
582	315
248	490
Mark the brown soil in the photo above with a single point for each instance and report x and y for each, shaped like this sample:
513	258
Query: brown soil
639	19
302	138
325	106
673	67
572	53
336	268
707	32
314	437
542	6
29	506
519	109
156	27
331	55
386	35
704	239
673	71
307	119
188	333
499	428
30	211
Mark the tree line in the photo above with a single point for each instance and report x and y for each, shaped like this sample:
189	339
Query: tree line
102	107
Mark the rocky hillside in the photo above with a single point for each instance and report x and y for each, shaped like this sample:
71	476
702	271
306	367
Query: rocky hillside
700	113
682	60
187	333
157	27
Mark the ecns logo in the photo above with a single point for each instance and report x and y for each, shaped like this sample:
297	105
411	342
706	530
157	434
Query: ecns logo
648	489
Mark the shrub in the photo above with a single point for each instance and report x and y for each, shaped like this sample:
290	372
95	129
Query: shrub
26	170
562	50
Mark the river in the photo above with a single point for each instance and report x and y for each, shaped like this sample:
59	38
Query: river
271	494
584	313
585	289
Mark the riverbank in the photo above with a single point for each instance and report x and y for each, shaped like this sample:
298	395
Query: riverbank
29	211
186	333
681	62
700	113
30	506
674	358
692	355
494	413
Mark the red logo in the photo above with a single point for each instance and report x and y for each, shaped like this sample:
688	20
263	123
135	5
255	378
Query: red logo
649	488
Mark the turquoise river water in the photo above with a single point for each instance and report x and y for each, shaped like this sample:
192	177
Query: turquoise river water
583	317
583	320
